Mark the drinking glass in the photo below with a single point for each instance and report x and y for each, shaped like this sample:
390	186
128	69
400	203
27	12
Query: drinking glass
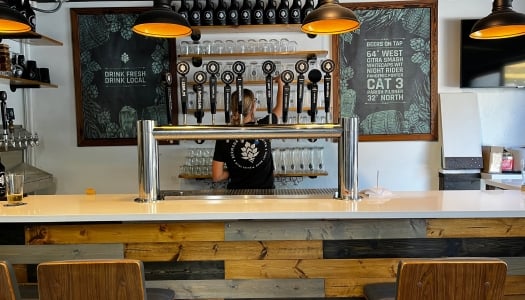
283	45
218	47
14	188
229	46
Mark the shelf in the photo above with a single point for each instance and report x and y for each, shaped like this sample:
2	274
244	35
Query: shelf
16	82
259	109
264	55
31	38
251	28
305	174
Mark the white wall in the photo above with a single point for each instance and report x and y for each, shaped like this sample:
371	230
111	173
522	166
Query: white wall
402	165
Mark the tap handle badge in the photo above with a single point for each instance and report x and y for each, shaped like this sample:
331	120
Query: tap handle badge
238	67
268	67
328	66
227	77
183	68
213	67
301	66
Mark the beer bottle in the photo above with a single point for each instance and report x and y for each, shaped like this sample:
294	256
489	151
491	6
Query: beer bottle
258	13
220	13
233	13
207	14
269	13
295	12
184	10
307	8
246	13
195	14
283	12
2	181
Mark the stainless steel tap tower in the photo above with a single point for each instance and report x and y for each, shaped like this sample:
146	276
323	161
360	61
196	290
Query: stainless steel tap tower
148	135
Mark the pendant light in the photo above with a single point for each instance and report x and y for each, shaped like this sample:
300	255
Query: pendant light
162	22
503	22
11	20
330	18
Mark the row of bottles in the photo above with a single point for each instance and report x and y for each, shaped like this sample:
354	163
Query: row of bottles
24	7
244	14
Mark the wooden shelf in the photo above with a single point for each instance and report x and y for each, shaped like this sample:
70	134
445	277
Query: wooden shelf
250	28
305	174
264	55
31	38
16	82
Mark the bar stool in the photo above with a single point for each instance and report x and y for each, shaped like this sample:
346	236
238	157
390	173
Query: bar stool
9	289
443	279
110	279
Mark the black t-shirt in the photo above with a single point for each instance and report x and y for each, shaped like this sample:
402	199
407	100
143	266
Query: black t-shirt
249	162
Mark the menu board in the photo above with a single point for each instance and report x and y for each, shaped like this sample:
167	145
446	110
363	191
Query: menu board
385	73
118	76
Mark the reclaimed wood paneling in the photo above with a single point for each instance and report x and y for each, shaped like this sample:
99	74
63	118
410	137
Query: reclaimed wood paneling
515	285
124	233
429	248
502	227
325	230
35	254
193	251
350	287
193	270
307	268
515	265
234	289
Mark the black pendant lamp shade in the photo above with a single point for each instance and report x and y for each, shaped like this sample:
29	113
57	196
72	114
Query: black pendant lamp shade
12	21
503	22
330	18
162	22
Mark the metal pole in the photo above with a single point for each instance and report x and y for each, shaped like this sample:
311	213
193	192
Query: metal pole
347	157
149	185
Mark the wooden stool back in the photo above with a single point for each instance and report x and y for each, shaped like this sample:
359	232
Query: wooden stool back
8	284
451	279
115	279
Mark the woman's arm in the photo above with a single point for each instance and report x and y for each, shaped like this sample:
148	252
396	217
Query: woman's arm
218	173
278	108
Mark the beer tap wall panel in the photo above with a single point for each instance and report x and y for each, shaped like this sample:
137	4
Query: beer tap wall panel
253	50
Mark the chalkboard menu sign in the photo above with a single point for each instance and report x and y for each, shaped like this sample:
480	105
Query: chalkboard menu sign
118	76
387	70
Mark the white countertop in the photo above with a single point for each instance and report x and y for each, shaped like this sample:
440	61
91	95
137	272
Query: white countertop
506	184
429	204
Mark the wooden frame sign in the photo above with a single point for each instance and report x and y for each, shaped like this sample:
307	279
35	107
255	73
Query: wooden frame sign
387	70
120	76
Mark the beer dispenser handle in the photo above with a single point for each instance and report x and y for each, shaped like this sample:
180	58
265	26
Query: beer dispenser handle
301	67
287	77
268	68
238	68
314	76
183	68
167	80
227	79
199	77
213	69
327	66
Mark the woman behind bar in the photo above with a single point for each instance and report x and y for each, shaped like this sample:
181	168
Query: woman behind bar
249	162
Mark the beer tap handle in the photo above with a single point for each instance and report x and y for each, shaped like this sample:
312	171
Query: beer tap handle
167	80
199	77
227	79
301	67
213	69
287	77
238	68
268	68
327	66
183	68
314	76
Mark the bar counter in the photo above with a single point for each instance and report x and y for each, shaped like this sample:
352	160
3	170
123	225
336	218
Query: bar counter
246	247
428	204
